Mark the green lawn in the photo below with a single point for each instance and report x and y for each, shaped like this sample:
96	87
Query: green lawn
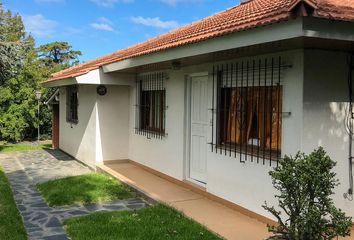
15	147
158	222
11	226
87	188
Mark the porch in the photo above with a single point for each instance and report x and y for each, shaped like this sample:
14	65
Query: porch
225	221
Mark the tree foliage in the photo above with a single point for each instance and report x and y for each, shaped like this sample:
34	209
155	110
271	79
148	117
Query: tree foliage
58	54
22	70
12	43
305	184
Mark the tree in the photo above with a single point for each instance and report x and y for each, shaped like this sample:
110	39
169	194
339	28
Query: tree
12	43
305	184
20	79
18	114
58	53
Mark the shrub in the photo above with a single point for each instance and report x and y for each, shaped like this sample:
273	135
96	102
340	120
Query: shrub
305	184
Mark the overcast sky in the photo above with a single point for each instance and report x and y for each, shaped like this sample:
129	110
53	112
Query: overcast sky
98	27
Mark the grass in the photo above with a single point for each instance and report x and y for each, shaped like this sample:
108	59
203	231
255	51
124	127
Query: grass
158	222
11	225
86	188
15	147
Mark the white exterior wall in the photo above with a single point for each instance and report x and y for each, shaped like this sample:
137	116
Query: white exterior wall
79	140
102	131
247	184
326	100
106	128
112	124
164	155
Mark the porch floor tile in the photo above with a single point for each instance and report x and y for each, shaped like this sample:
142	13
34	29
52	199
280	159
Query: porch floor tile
223	220
154	186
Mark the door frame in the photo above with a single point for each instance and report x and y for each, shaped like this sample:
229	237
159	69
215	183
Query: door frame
55	125
187	132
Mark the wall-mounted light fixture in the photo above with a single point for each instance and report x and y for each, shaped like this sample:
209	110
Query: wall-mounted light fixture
176	65
101	90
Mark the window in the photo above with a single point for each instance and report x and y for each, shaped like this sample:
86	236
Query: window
72	104
152	110
151	107
247	109
250	119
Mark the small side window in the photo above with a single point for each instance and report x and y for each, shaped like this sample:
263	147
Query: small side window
151	105
72	104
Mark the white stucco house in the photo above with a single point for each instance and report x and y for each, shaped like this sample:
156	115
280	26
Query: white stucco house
219	101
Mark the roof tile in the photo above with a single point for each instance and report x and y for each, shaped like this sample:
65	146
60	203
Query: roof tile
240	17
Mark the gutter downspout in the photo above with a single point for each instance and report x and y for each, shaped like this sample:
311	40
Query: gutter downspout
350	117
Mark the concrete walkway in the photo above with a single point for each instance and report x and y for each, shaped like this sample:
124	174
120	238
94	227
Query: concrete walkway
25	169
226	222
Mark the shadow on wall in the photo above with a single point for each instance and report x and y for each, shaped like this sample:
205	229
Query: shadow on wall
79	140
326	102
341	115
113	122
326	125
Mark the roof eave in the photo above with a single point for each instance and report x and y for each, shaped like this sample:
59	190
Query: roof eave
276	31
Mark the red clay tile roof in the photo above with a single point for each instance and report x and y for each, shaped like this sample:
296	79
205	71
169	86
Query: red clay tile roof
240	17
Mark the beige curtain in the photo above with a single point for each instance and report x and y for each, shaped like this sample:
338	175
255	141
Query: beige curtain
259	105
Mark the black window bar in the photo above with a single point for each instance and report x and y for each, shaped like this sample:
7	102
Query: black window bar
150	119
247	109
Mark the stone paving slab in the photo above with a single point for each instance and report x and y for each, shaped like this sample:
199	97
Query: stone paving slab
42	166
25	169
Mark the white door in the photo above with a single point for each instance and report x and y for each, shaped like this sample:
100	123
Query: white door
199	127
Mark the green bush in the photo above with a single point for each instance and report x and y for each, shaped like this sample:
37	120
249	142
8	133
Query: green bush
305	184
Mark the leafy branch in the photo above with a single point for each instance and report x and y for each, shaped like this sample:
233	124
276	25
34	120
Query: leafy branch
305	184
